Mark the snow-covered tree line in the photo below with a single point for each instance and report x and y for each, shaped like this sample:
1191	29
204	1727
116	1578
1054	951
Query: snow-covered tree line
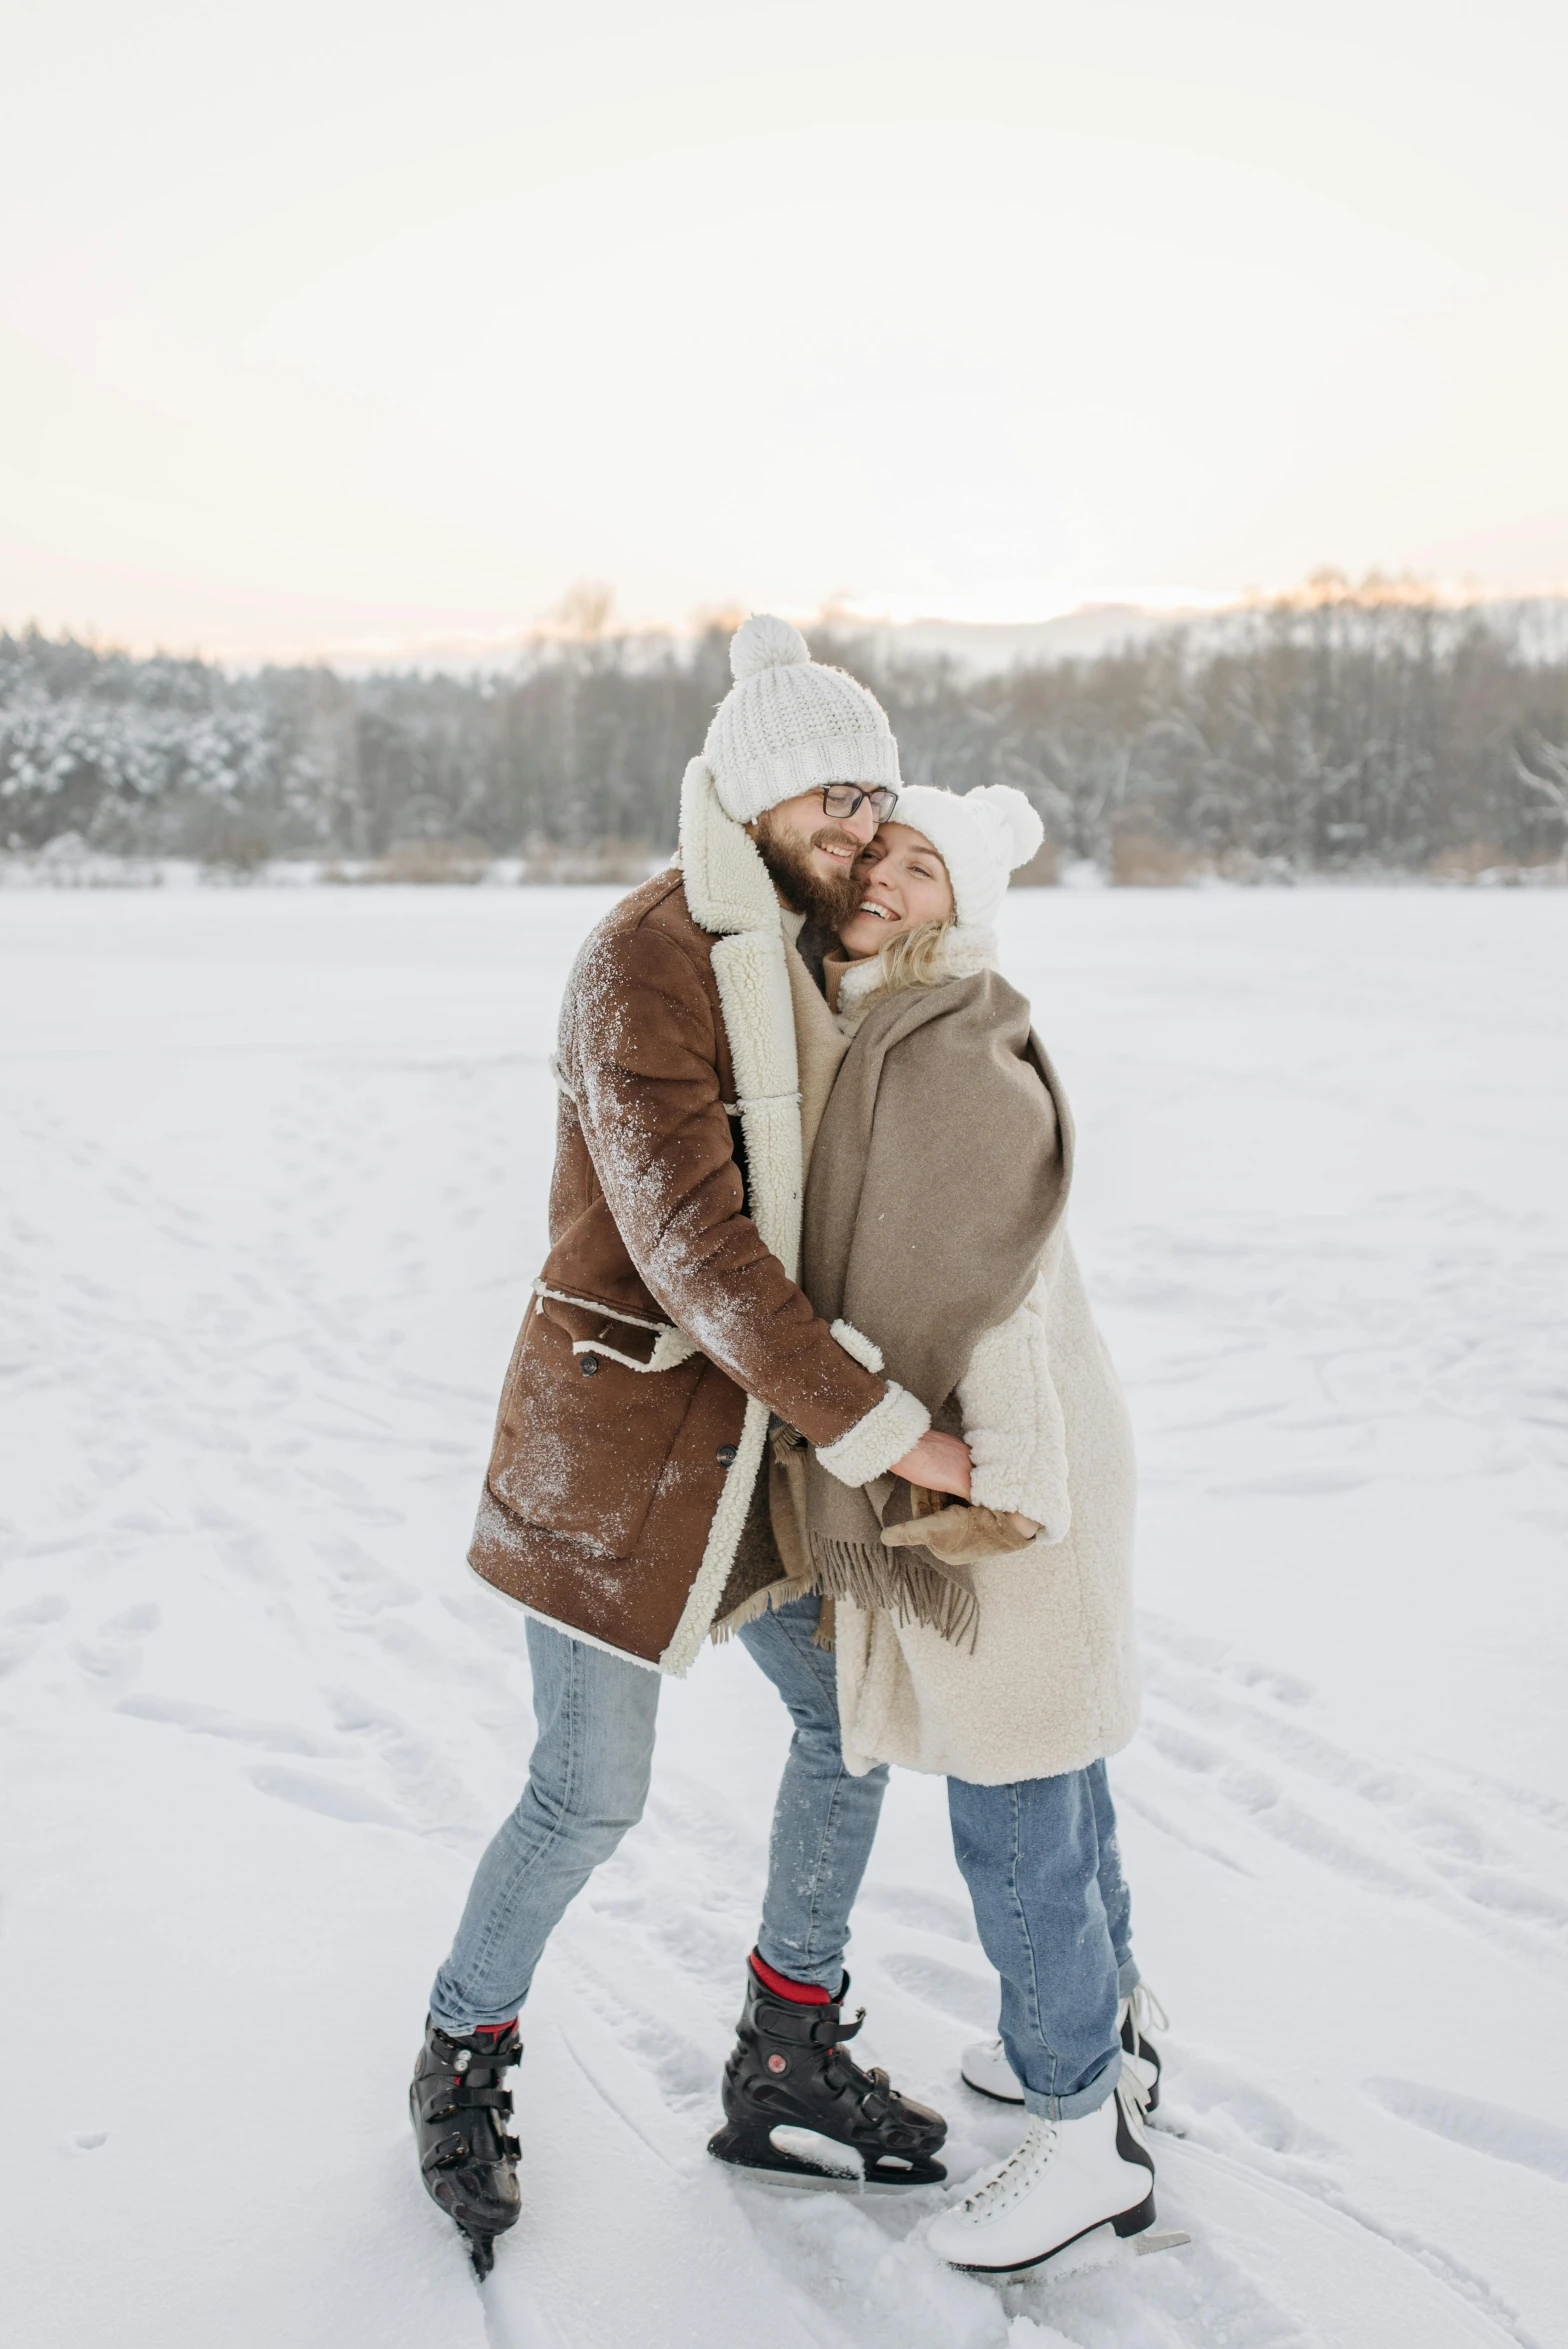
1321	733
1335	731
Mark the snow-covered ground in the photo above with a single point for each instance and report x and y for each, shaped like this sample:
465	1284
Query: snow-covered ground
275	1167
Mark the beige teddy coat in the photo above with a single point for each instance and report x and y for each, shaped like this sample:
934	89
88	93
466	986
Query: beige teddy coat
1052	1682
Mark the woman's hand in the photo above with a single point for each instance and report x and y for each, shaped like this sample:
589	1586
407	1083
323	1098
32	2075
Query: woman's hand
939	1462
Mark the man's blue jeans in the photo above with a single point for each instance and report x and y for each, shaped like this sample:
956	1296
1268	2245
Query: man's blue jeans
588	1781
1056	1936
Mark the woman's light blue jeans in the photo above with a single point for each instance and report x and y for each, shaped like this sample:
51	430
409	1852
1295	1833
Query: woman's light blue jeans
1040	1859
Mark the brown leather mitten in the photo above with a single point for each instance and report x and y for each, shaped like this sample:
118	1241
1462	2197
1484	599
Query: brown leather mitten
958	1534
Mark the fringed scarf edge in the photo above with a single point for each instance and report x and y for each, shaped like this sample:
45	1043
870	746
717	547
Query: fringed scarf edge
904	1587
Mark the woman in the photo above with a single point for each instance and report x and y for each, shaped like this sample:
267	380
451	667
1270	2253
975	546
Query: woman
993	1642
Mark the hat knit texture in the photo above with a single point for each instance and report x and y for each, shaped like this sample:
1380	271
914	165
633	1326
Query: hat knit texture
981	836
789	725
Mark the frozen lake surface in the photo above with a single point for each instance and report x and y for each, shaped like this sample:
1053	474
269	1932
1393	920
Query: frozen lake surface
275	1169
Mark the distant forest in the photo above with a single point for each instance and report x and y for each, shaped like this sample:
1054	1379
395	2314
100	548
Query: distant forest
1342	730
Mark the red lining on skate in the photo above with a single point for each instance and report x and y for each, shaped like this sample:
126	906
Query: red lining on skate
804	1993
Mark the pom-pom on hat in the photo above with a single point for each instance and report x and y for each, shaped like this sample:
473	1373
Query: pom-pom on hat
788	725
982	836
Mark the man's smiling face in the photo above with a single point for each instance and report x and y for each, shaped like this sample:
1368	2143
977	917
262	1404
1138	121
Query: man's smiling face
811	855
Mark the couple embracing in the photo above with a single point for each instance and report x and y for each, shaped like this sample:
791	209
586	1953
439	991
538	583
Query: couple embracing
810	1363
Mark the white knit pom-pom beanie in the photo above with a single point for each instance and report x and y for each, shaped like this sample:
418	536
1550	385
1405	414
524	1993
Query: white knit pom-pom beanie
788	725
982	836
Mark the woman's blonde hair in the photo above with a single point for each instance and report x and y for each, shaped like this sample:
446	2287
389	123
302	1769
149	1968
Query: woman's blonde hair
916	959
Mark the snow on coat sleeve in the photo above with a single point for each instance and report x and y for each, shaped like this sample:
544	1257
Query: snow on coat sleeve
643	1049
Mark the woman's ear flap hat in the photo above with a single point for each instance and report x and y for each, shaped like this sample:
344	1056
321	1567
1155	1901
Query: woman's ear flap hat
982	836
789	725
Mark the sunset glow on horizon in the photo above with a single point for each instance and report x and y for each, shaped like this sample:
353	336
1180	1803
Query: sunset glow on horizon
382	326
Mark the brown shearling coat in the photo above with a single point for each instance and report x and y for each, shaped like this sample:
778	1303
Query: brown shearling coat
667	1322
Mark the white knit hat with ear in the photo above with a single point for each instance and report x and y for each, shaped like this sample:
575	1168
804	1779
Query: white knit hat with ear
788	725
981	836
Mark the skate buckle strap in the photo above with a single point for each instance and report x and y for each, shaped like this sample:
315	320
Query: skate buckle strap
436	2102
788	2021
446	2152
478	2099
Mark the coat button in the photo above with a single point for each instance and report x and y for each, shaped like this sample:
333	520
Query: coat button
590	1364
726	1455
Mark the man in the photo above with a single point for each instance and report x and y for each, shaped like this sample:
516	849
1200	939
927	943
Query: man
626	1503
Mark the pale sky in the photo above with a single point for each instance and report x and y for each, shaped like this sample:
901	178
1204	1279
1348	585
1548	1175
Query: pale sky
335	324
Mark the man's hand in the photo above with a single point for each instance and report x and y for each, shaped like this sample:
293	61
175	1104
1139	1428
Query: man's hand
939	1462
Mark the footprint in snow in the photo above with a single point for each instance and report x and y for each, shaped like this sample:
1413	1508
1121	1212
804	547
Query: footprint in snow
1511	1896
683	2072
360	1585
1485	2128
274	1737
1287	1740
1541	1809
310	1793
26	1626
1212	2103
114	1657
967	1998
15	1652
701	1948
1299	1482
431	1798
1284	1687
929	1912
1152	1815
1471	1858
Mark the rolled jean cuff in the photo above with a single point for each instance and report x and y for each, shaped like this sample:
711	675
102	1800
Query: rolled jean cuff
456	2030
1127	1978
825	1974
1082	2100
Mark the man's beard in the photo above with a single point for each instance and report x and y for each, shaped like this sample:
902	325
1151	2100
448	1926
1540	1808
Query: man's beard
825	898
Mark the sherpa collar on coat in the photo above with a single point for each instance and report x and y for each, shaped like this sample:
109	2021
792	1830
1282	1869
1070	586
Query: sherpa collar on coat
730	895
728	889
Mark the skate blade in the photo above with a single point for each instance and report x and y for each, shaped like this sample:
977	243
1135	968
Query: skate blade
824	2181
481	2252
1098	2246
838	2170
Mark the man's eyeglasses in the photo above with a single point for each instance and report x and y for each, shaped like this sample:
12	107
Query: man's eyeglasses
845	799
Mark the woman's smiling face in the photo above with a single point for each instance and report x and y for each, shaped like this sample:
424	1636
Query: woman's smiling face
903	882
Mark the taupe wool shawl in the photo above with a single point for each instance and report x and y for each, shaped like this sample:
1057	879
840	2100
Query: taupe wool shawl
939	1174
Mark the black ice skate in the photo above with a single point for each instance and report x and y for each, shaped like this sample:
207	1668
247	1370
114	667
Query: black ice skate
468	2162
790	2070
